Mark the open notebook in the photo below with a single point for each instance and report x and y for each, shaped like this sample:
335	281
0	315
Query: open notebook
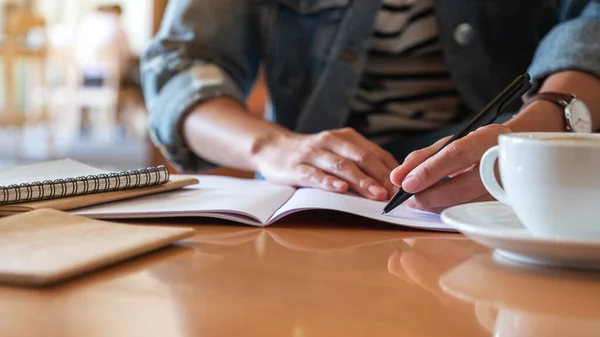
256	203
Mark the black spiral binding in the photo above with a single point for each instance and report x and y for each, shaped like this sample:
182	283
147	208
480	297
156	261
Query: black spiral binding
60	188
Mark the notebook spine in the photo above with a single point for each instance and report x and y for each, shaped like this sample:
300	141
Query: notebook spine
60	188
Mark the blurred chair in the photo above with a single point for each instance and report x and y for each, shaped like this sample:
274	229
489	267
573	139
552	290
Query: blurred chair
98	56
90	90
24	43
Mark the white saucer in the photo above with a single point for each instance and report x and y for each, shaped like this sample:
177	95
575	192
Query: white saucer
495	225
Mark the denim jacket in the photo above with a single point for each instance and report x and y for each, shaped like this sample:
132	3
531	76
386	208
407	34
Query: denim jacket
313	53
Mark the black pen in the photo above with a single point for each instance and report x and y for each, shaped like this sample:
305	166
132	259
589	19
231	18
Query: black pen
487	116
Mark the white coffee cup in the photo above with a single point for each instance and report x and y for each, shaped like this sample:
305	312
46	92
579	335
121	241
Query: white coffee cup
550	180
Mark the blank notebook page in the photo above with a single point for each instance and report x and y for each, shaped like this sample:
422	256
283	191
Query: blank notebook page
308	198
251	202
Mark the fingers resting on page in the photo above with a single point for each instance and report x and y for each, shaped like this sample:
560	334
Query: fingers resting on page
423	171
336	160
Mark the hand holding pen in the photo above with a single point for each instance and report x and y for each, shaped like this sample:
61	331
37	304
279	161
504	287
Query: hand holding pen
455	157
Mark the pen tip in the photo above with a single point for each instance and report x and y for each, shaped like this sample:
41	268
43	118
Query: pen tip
383	212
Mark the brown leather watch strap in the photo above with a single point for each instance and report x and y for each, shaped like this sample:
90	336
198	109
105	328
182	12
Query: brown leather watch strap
558	98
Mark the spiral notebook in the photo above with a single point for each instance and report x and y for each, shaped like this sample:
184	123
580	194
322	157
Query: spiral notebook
67	184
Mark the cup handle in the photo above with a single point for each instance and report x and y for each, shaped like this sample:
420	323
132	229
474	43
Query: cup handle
488	176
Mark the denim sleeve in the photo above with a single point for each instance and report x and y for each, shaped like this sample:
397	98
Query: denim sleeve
204	49
573	44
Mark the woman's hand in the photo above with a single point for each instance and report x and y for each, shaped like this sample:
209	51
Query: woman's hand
335	160
460	160
422	171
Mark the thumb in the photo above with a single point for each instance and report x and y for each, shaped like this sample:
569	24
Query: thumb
413	160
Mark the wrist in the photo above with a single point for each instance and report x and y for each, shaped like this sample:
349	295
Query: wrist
539	116
583	85
222	132
264	142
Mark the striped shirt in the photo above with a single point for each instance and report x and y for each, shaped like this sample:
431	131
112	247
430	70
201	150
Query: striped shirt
406	84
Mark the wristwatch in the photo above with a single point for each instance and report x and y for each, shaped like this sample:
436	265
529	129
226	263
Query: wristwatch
576	114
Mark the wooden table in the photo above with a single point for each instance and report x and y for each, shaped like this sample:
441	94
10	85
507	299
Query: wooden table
326	277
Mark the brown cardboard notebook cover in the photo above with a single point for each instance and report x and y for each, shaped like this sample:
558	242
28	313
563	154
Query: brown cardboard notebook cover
47	246
79	201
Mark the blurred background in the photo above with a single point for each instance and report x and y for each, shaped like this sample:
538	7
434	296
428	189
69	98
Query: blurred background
69	82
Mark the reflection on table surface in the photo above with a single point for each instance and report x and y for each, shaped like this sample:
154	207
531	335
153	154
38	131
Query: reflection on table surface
297	280
518	300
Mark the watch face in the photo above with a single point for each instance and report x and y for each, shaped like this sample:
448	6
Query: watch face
579	116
